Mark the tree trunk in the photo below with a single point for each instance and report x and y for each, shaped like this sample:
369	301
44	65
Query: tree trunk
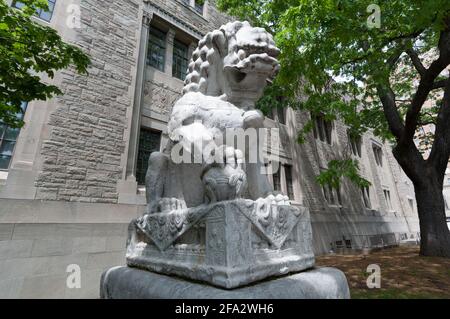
428	185
434	232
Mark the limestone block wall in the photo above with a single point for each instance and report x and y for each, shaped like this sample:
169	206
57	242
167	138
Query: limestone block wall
82	156
39	240
352	220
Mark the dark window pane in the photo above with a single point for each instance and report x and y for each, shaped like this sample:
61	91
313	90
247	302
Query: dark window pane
199	8
378	154
316	128
11	134
330	191
2	130
321	128
156	49
339	196
281	117
42	14
328	130
277	181
289	183
327	194
149	142
355	143
8	137
7	148
4	161
180	60
17	4
45	15
366	196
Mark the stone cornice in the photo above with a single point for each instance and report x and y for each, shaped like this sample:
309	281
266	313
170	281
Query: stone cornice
151	8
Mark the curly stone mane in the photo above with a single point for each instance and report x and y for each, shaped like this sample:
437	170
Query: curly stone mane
207	53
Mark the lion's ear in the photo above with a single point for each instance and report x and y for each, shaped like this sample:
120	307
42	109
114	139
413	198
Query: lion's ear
220	42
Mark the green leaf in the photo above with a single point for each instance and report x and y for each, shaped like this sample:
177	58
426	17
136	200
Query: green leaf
27	48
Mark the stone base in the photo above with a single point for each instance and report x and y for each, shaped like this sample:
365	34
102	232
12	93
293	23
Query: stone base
227	244
130	283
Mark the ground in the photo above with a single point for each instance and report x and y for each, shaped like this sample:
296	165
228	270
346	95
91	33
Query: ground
404	274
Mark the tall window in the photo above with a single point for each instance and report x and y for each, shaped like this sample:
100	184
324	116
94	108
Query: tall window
149	142
378	153
281	116
180	60
277	180
156	49
332	195
356	144
8	139
323	129
328	194
338	196
40	13
387	198
199	6
366	197
280	110
289	181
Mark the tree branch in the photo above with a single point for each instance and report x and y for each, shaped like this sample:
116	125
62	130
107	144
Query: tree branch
387	97
426	85
416	61
439	84
440	151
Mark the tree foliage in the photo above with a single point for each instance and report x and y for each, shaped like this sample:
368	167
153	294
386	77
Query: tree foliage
29	51
371	78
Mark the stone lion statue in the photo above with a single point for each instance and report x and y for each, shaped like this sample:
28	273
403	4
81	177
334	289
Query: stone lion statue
227	75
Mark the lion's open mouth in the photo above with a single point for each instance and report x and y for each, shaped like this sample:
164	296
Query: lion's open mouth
258	63
256	59
236	74
260	49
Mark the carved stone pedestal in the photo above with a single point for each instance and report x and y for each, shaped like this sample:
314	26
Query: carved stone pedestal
132	283
227	244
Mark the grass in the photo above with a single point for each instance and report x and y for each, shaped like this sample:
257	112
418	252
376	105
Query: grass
404	274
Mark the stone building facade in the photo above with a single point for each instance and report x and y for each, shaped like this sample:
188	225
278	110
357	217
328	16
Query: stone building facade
73	178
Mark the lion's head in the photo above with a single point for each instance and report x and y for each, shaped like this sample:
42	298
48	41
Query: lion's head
234	62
